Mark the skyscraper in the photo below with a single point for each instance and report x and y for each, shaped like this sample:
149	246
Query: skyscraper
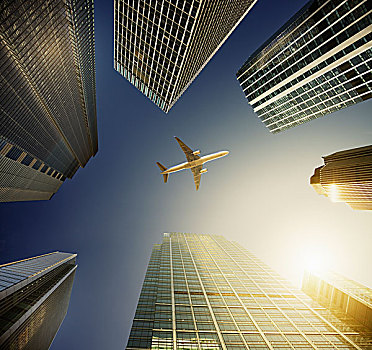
317	63
341	294
205	292
34	297
161	46
48	124
346	177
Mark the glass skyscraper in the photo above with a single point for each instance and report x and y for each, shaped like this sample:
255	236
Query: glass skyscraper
161	46
205	292
34	298
317	63
48	124
346	176
342	294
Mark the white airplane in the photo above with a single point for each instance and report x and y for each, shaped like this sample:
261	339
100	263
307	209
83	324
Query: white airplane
194	162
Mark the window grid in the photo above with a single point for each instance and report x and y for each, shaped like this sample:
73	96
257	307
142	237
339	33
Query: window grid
283	79
161	46
234	301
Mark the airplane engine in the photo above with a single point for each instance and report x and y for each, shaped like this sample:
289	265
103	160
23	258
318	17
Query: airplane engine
203	171
195	153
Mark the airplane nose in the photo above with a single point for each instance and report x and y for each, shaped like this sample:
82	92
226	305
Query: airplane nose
226	153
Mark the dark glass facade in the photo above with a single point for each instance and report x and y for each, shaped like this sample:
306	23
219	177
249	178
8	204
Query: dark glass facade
205	292
48	98
34	298
341	294
317	63
346	176
161	46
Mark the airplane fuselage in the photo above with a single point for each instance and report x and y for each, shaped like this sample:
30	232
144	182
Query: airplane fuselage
195	163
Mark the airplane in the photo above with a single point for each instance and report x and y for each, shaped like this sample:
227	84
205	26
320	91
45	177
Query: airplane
194	163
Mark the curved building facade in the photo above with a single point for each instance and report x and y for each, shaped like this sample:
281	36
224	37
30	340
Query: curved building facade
346	176
317	63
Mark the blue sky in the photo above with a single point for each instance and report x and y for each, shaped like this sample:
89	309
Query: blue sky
117	207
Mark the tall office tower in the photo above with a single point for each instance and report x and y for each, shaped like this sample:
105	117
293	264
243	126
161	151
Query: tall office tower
34	297
47	95
346	177
205	292
161	46
317	63
341	294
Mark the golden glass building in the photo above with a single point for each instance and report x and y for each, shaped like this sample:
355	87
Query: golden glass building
319	62
343	295
161	46
48	126
205	292
346	177
34	298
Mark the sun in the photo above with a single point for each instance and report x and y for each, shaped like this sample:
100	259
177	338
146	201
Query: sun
315	259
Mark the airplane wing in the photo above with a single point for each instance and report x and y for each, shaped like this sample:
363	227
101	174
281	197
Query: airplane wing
197	175
190	156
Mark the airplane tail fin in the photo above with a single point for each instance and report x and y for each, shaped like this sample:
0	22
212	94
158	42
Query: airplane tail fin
163	168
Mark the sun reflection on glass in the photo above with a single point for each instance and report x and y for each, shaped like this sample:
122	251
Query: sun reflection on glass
333	193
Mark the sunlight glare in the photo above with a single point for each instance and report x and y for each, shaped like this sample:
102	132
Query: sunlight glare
333	193
315	259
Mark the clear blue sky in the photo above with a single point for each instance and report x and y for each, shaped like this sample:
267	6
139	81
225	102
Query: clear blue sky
114	210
